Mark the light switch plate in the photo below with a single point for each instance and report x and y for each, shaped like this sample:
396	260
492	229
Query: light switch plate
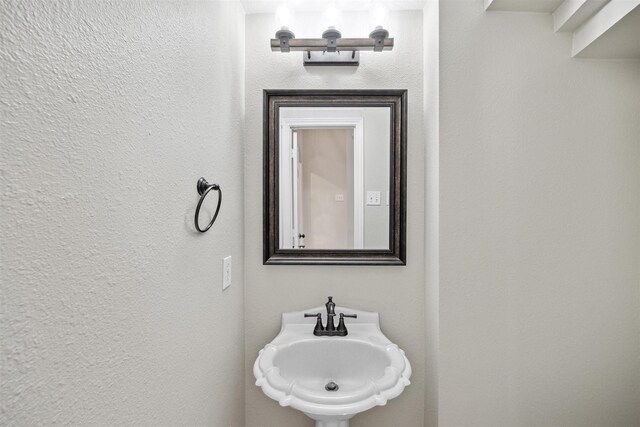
373	198
226	272
339	197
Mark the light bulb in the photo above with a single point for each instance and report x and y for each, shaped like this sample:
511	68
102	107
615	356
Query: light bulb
284	17
331	15
379	14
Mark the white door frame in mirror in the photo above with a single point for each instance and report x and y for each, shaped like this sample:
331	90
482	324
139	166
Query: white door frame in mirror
288	126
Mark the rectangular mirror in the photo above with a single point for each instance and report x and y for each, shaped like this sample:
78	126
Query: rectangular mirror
335	177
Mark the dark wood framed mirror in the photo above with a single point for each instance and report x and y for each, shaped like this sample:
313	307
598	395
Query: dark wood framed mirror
335	177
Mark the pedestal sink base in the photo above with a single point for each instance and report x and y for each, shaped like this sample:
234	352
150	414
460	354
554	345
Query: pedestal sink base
335	423
330	421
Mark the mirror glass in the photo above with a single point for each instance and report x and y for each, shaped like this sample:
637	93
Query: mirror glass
335	177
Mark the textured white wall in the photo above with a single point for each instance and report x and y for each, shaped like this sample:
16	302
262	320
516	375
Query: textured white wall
539	227
396	292
112	309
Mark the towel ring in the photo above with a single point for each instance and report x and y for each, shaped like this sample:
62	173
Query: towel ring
203	189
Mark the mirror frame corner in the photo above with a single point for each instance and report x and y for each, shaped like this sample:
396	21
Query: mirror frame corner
396	99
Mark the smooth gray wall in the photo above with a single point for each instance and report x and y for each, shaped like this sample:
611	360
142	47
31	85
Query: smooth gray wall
397	293
539	227
431	31
112	304
377	131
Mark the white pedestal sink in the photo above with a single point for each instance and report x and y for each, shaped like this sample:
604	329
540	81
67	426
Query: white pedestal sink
297	368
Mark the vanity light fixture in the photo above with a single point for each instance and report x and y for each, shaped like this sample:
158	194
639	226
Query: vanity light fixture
332	49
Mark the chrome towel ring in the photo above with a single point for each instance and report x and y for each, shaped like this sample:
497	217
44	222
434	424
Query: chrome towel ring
203	189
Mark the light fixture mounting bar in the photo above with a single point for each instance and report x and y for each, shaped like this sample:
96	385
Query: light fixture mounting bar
361	44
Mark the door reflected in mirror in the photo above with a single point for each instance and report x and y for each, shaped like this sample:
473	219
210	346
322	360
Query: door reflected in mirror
334	192
335	177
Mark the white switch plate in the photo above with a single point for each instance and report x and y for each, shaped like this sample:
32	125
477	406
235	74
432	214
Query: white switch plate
226	273
373	198
339	197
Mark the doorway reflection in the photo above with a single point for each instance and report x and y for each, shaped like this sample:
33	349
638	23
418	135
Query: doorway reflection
324	197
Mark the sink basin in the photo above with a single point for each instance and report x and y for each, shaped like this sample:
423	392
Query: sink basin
331	379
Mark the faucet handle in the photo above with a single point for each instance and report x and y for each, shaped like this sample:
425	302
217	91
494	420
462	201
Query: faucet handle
318	329
342	329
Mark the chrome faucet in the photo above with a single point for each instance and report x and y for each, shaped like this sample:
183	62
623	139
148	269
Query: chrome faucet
330	329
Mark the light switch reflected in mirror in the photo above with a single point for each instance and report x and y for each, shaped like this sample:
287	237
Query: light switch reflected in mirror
334	188
335	177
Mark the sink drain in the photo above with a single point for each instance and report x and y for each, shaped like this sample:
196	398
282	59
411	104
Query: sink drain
331	386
